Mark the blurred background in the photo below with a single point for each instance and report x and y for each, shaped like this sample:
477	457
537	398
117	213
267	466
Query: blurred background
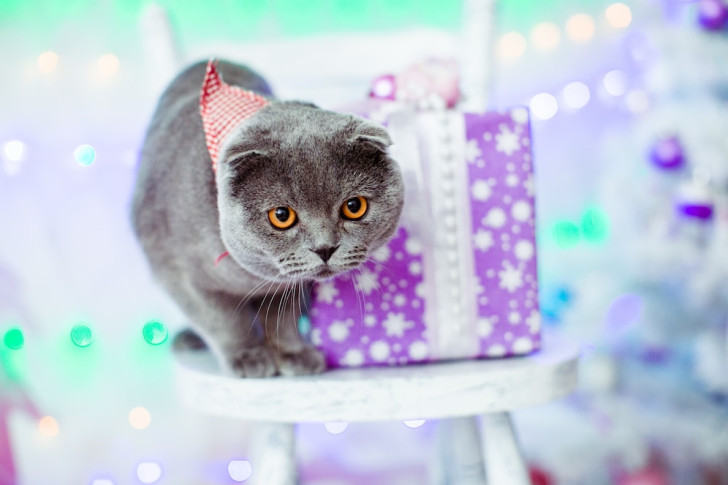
629	106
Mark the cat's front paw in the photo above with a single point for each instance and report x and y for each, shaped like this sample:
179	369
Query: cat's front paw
304	362
255	362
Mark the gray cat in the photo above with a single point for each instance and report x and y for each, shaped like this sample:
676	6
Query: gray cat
298	194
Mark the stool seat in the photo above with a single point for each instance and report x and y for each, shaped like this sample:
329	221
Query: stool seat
439	390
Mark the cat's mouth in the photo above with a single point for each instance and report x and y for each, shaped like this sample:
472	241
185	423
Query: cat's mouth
325	273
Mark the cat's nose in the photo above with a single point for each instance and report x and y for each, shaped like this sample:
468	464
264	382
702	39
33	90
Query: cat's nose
325	252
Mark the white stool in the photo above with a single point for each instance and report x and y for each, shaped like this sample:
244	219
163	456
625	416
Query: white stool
456	392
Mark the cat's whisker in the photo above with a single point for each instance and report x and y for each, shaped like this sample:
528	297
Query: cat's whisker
260	307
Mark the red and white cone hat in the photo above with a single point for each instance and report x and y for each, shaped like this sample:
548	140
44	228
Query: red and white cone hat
224	107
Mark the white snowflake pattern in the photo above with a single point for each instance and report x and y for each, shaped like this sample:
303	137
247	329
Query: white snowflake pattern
379	350
415	268
420	290
480	190
514	318
521	210
485	326
353	358
496	217
512	180
338	331
507	141
483	240
382	254
418	350
370	320
399	300
524	250
316	337
511	278
472	151
326	292
529	185
522	345
395	325
534	322
520	116
496	350
366	281
413	246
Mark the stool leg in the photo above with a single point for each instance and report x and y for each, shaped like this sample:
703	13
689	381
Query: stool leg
460	456
273	454
504	464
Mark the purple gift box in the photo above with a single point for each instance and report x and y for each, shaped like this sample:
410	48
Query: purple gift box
459	278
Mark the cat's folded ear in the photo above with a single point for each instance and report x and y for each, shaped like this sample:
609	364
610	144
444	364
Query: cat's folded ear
237	160
370	136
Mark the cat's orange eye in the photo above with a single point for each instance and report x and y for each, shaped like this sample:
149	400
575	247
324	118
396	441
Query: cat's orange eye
282	217
354	208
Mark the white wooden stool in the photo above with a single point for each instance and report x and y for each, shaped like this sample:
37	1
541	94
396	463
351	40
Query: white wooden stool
456	392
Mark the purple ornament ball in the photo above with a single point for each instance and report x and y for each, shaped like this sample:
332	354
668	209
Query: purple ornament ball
695	202
713	14
384	87
668	153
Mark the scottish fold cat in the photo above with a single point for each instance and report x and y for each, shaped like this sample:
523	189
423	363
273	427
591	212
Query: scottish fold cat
242	201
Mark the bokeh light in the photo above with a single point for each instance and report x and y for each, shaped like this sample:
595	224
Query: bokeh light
14	150
149	472
102	481
615	82
48	426
618	15
82	336
624	312
47	62
594	226
545	36
414	423
637	101
240	470
85	155
576	95
580	27
566	234
154	332
14	339
511	45
336	427
108	65
543	106
140	418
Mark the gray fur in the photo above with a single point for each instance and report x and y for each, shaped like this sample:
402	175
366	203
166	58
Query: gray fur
288	154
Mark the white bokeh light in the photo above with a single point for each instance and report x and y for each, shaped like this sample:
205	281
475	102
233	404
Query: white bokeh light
576	95
511	45
615	82
336	427
149	472
240	470
414	423
543	106
618	15
545	36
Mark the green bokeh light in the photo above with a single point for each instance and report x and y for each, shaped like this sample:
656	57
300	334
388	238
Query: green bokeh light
14	339
155	333
82	336
566	234
594	226
84	155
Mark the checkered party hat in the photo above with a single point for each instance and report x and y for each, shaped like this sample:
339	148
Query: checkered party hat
223	107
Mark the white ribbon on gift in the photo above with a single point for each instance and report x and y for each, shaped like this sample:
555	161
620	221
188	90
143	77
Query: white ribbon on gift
429	148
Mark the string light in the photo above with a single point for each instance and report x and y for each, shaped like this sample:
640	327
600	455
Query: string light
154	332
414	423
140	418
240	470
511	45
576	95
85	155
14	339
618	15
545	36
336	427
108	65
82	336
48	427
149	472
615	82
580	27
47	62
543	106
